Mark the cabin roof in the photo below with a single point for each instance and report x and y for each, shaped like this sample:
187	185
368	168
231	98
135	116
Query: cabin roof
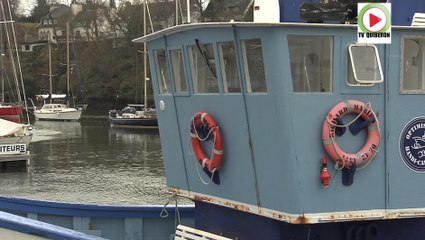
192	26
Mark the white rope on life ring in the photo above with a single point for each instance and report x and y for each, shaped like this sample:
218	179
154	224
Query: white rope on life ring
371	146
199	120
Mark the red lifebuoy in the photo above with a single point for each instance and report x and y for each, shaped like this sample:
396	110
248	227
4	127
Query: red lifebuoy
371	146
206	121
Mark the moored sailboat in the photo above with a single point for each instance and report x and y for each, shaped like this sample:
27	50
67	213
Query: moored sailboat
58	106
11	112
133	115
56	109
137	115
14	141
15	135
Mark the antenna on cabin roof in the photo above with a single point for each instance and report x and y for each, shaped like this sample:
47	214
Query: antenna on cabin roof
332	10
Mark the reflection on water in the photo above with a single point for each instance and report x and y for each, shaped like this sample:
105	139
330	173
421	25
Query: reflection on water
90	162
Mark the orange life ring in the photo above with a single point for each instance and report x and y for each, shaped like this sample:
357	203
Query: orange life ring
203	120
371	146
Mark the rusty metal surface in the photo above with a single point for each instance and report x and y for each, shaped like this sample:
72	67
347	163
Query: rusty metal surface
304	218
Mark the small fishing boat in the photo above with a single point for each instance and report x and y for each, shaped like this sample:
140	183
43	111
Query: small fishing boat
269	108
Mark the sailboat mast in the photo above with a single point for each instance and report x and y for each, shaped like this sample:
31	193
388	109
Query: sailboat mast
177	12
50	72
188	11
145	59
2	54
67	64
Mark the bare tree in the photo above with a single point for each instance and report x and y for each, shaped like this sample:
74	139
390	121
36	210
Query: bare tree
14	7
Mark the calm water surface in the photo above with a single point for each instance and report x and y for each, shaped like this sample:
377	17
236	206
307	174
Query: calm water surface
90	162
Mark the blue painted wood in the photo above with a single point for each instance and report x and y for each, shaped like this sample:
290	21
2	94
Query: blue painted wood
89	210
272	145
32	216
39	228
81	223
84	224
403	191
133	229
111	222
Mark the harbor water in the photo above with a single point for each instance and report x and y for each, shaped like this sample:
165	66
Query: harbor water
90	162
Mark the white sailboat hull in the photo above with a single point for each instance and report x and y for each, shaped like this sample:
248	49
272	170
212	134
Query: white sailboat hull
18	139
69	114
14	141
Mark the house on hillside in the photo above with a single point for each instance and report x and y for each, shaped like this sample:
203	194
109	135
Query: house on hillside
52	25
86	23
27	37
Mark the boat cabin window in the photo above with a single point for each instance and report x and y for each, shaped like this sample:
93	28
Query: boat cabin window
229	67
364	65
252	51
162	70
311	62
413	65
204	73
178	71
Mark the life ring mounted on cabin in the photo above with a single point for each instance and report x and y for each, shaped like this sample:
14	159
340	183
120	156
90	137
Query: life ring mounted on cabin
204	122
330	125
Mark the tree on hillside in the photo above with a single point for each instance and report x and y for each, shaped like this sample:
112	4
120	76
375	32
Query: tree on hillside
40	10
14	9
109	62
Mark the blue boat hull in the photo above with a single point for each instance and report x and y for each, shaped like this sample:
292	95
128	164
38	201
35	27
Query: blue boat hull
242	225
106	221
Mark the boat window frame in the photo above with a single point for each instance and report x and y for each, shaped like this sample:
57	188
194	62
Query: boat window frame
212	61
186	75
316	56
223	71
160	81
363	82
246	72
402	65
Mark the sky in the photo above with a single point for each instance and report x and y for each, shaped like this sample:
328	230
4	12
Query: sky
27	5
